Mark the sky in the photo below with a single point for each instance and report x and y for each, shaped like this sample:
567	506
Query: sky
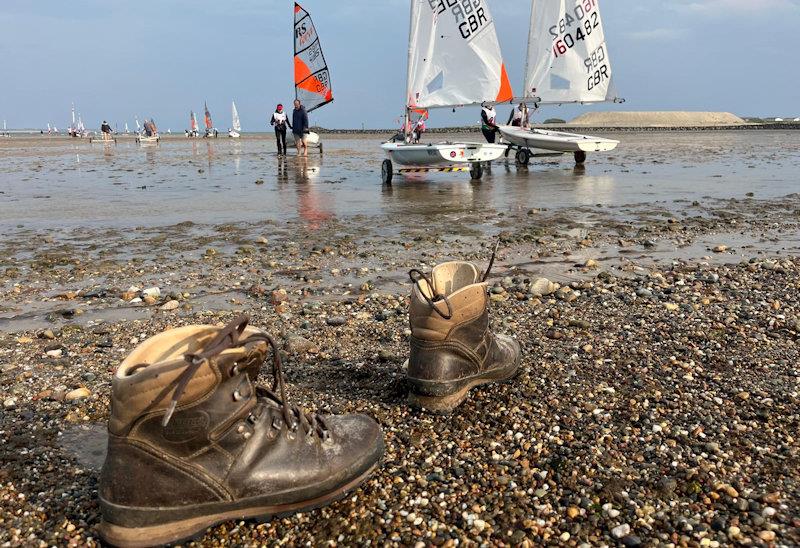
162	58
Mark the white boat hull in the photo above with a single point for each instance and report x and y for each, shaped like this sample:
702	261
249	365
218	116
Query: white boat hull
312	138
442	154
148	140
234	134
556	141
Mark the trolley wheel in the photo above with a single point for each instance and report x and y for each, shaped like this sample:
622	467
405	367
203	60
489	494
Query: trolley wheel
476	171
523	156
580	157
387	171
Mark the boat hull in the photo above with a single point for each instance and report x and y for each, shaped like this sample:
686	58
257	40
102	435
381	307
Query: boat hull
442	154
556	141
312	138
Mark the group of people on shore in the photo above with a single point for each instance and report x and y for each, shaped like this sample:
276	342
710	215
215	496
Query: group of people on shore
298	124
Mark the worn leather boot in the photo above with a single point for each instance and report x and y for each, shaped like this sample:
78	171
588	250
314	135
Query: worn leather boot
453	348
193	442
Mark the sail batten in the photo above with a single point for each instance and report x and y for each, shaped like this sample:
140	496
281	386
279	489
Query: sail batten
312	78
568	59
454	56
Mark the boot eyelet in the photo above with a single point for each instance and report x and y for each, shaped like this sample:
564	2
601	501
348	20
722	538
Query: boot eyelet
237	396
234	370
247	435
241	429
291	435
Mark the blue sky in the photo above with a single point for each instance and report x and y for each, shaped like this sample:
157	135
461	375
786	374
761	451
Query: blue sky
161	58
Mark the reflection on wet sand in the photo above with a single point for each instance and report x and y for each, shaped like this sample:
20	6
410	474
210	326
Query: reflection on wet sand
38	174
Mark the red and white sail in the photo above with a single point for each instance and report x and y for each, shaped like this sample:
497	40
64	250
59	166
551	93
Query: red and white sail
312	78
454	55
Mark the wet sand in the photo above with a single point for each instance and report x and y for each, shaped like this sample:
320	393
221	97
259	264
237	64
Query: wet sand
660	398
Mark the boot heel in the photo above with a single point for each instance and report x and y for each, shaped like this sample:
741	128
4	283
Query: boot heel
443	405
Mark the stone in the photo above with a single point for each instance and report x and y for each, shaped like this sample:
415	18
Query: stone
298	345
10	403
170	305
573	512
56	353
279	296
621	531
47	334
720	249
591	263
77	394
543	287
336	321
767	536
153	292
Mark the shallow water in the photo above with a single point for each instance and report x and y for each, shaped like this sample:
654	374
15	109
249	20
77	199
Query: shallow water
57	182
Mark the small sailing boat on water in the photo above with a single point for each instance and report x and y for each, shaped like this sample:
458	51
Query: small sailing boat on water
568	62
451	63
210	130
149	134
312	78
236	130
194	127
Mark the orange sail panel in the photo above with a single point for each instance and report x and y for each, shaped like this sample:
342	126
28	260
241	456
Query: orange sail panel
209	123
312	79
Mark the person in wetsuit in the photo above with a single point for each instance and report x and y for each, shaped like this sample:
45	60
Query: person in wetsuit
280	121
105	129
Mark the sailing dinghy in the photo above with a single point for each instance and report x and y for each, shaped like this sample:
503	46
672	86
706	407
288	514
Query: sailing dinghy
453	60
210	130
236	132
567	62
312	78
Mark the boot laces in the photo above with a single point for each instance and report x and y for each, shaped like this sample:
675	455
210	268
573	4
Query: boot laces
230	337
418	276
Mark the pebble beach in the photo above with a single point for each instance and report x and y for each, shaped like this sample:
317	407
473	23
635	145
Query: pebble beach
659	399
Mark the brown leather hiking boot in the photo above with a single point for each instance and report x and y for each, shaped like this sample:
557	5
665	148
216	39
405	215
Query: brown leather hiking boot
192	441
452	347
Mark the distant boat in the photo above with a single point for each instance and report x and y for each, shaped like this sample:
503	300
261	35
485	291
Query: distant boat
312	78
210	131
236	132
126	128
149	134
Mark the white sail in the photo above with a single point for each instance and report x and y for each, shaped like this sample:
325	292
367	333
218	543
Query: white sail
454	55
567	54
138	127
237	126
126	128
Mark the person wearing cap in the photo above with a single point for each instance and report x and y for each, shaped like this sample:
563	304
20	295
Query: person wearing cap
280	121
105	128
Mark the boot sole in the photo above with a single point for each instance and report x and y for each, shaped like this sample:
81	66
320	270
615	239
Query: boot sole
445	404
193	528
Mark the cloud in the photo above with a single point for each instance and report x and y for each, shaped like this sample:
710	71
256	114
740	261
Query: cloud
661	35
729	7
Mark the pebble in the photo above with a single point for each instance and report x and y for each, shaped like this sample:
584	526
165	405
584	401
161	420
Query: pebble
56	353
767	536
336	321
9	403
77	394
153	292
621	530
170	305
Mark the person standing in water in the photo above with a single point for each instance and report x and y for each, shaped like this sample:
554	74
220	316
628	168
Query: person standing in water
105	129
300	128
279	121
489	124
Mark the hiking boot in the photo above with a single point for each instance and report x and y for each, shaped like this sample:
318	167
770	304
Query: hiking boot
193	442
453	348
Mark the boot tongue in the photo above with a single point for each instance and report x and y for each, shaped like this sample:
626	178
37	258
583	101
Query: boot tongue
451	277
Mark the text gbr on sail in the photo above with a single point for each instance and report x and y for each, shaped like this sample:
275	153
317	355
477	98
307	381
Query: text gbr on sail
469	14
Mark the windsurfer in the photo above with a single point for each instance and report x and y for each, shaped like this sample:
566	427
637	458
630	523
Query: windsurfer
489	125
300	128
279	121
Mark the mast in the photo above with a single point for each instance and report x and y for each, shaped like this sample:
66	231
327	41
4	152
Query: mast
411	25
528	52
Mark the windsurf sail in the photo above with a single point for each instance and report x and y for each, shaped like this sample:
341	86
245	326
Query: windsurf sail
138	127
193	121
312	78
454	55
237	125
568	59
209	123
